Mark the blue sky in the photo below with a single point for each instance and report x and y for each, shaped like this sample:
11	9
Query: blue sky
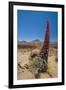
32	25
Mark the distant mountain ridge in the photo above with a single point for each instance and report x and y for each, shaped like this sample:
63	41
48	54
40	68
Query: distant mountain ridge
29	41
34	41
33	44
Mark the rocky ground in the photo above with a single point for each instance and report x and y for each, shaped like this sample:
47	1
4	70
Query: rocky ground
23	62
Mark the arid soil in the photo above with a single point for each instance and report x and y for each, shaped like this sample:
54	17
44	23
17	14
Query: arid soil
23	62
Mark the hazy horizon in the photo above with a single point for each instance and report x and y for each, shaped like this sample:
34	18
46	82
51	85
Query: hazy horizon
35	40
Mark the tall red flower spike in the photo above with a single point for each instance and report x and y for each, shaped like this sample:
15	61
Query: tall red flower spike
45	49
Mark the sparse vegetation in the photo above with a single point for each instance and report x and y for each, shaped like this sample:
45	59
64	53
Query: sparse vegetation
29	67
